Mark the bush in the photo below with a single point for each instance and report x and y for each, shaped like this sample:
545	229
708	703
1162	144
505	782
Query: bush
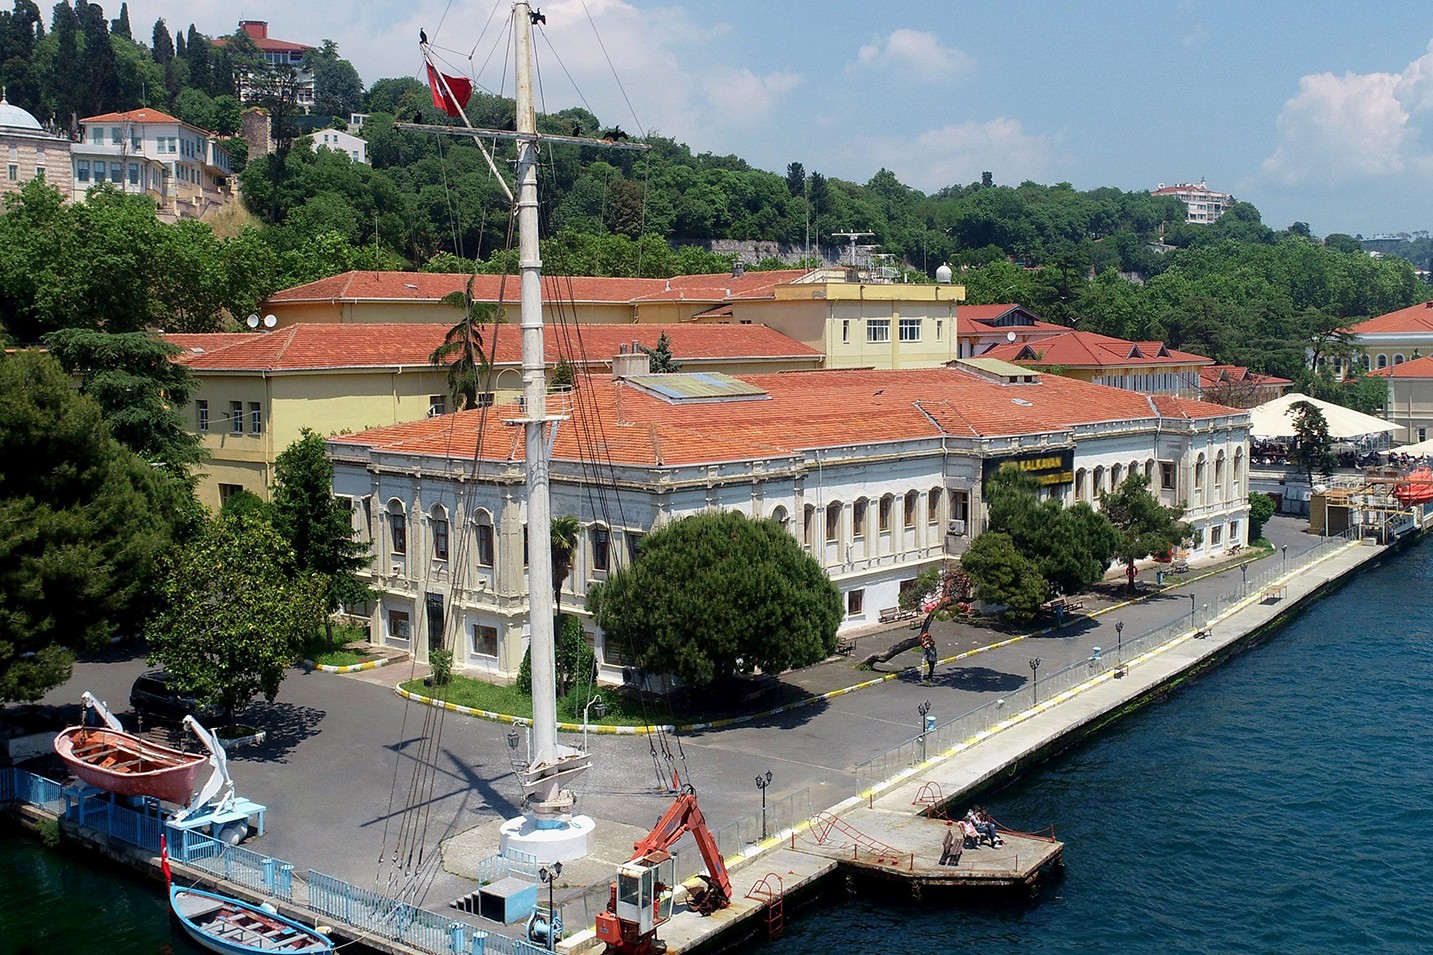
1261	508
441	662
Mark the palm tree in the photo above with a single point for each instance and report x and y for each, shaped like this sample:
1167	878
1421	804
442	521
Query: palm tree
462	347
565	532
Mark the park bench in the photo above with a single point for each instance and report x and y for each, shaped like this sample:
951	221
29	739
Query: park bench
845	646
892	614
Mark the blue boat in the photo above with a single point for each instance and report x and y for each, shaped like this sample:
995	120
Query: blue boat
230	926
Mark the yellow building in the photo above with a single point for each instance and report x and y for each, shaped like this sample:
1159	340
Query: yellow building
1151	368
258	391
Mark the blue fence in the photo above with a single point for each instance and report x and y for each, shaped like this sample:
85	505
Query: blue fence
379	915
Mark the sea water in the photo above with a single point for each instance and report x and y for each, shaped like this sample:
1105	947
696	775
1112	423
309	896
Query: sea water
1279	804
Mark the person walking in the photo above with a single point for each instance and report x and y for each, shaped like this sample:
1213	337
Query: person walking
928	655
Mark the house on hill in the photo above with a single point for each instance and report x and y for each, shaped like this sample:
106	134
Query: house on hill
31	151
889	486
184	168
1395	337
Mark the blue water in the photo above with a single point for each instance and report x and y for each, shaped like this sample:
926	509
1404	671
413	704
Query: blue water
1280	804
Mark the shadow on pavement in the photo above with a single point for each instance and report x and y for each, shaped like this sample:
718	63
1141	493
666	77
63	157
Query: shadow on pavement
980	680
285	724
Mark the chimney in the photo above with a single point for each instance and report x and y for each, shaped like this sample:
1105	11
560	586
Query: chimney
630	364
257	29
738	269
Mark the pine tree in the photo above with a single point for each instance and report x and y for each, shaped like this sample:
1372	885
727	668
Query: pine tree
120	27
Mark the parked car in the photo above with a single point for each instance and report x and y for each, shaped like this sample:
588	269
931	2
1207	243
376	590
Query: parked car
153	697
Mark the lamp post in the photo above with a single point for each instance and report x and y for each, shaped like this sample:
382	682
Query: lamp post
1035	679
596	704
1244	569
549	876
923	709
1120	639
762	783
1191	610
1286	558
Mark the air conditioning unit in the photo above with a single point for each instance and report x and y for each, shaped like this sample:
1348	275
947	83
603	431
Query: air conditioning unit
957	528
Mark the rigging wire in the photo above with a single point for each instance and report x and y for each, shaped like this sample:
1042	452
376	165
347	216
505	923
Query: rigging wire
617	79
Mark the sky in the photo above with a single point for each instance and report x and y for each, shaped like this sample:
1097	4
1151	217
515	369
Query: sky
1319	111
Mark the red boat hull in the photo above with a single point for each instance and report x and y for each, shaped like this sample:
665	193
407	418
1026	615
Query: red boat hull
1416	489
128	765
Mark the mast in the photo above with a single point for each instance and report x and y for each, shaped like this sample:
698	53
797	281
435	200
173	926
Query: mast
535	425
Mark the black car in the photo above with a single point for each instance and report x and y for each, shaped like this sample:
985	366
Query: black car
154	698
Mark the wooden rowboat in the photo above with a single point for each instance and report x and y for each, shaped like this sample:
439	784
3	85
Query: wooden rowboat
230	926
128	765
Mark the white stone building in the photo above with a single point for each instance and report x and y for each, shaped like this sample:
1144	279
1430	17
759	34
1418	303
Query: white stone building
878	474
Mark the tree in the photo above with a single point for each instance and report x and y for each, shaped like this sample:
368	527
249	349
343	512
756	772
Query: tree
462	348
1261	508
563	535
235	614
1313	447
317	525
84	524
662	362
140	388
1145	526
1071	547
714	595
337	89
120	26
1002	576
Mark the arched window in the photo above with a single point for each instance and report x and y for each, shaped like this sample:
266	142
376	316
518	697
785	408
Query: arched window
858	518
1149	471
888	504
1099	489
932	506
1116	475
438	522
779	515
833	522
1382	361
913	500
1238	470
1365	362
397	528
1080	490
1219	470
601	537
484	538
808	525
1199	472
1398	359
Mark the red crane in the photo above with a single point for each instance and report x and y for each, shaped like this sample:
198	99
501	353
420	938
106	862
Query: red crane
641	897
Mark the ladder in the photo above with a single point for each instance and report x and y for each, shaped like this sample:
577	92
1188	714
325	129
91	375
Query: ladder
775	915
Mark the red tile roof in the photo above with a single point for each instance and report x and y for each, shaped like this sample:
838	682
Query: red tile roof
1414	318
1414	368
431	286
327	346
1212	376
639	428
136	116
1090	350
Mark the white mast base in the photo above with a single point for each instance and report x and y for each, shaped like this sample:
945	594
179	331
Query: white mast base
569	839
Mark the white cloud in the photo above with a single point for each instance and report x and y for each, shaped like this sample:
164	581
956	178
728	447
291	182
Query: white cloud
960	152
1355	126
740	95
915	52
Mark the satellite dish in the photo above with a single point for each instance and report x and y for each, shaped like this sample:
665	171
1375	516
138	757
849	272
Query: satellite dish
270	321
252	321
1009	336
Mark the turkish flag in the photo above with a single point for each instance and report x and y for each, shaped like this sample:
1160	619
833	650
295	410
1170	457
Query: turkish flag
164	861
461	87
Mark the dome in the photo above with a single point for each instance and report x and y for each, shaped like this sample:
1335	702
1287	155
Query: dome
13	117
943	275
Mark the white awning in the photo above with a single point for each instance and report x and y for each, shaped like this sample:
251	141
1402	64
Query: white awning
1275	419
1420	450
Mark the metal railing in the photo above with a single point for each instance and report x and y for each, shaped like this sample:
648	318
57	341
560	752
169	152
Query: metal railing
501	865
233	864
968	727
379	915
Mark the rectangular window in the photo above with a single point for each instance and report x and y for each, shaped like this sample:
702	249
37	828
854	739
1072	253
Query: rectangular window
39	172
236	417
939	328
97	136
116	135
485	545
202	408
1422	434
932	515
1233	532
134	174
878	330
398	525
116	173
959	506
601	550
885	512
908	515
13	172
136	141
858	519
440	540
82	170
399	627
1166	475
227	491
437	405
485	640
615	653
833	523
256	418
1216	534
845	331
855	603
910	329
634	546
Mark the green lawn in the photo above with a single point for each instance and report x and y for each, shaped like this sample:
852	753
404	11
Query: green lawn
621	710
343	655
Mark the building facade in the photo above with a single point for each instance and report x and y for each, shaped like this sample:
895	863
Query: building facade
31	152
1391	339
1151	368
152	153
890	485
278	55
1201	203
354	147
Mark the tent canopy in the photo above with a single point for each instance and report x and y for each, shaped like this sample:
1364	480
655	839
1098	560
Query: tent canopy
1275	419
1422	449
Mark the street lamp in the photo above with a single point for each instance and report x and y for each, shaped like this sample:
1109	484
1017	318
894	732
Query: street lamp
1286	558
1244	569
1035	679
762	783
550	876
923	709
1120	638
1191	609
596	705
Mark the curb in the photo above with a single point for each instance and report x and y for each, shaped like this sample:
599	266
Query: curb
351	668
